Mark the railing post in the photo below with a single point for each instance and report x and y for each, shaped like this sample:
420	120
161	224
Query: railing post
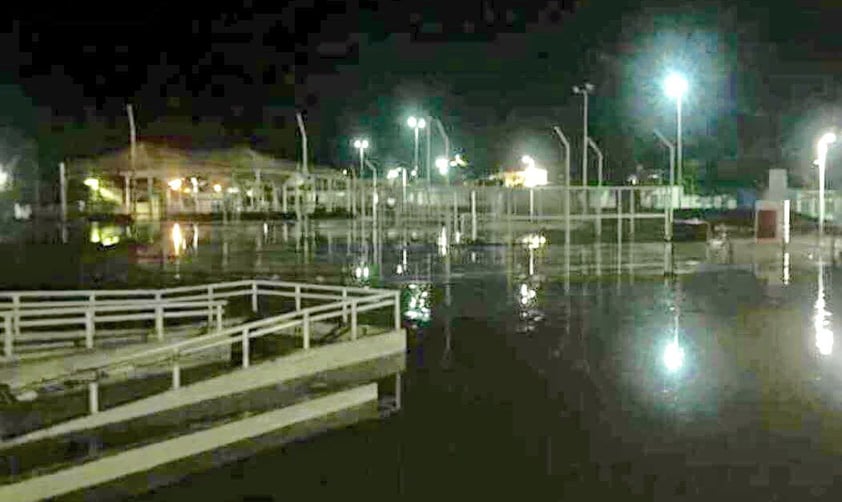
159	316
246	348
398	391
176	371
397	310
8	336
297	297
219	317
93	397
16	315
306	329
89	323
354	320
344	305
210	305
254	296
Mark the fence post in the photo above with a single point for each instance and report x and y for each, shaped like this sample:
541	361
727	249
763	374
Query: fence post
344	305
246	348
219	317
354	320
8	338
16	317
619	217
397	310
254	296
159	316
89	323
473	215
210	305
93	397
306	329
297	297
176	371
398	389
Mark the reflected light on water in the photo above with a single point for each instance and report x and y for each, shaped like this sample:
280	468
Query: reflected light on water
786	275
418	305
177	238
527	294
673	356
821	319
442	241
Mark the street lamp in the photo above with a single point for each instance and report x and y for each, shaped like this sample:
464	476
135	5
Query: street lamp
584	90
824	143
361	145
416	125
675	87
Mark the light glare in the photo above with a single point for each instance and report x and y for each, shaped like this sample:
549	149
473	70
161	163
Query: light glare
675	86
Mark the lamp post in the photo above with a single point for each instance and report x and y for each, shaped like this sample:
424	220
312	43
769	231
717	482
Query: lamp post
668	206
361	145
584	90
675	87
824	143
416	125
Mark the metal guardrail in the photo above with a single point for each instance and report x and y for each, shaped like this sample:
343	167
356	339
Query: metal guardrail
345	303
86	309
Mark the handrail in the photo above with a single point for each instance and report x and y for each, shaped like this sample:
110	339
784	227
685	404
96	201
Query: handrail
377	298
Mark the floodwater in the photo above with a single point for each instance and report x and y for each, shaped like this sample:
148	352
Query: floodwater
534	371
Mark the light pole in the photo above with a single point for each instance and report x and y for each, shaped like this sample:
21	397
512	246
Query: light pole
361	145
584	90
668	206
416	125
675	87
823	145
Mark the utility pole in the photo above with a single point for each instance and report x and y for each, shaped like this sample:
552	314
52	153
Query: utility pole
585	90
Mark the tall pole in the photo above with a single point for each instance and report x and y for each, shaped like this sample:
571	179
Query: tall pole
678	140
429	152
62	174
415	161
822	164
566	144
584	90
668	206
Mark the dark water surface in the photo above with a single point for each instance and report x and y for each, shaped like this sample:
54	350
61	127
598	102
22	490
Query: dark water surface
531	383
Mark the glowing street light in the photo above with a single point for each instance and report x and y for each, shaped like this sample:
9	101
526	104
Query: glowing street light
174	184
673	356
442	164
824	143
675	87
217	188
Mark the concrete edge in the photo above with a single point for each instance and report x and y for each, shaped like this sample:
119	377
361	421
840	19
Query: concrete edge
145	458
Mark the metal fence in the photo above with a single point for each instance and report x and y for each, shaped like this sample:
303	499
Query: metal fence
342	304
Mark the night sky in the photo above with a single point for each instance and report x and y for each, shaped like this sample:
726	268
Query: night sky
498	73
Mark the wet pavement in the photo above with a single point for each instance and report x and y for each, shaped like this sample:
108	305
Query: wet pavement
527	381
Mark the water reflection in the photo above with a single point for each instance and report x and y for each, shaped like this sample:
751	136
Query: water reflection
821	317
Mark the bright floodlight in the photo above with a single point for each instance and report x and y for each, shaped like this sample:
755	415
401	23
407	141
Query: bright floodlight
412	122
357	144
422	123
175	184
675	86
528	160
827	139
673	356
442	164
217	188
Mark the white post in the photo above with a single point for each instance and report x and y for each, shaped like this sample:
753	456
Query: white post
159	316
93	397
305	326
531	204
16	315
284	197
210	305
254	296
245	343
398	392
8	338
619	221
62	174
344	305
89	323
473	215
354	320
219	317
297	297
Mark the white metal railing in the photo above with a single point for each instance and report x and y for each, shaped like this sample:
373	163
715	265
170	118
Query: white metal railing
344	304
86	309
